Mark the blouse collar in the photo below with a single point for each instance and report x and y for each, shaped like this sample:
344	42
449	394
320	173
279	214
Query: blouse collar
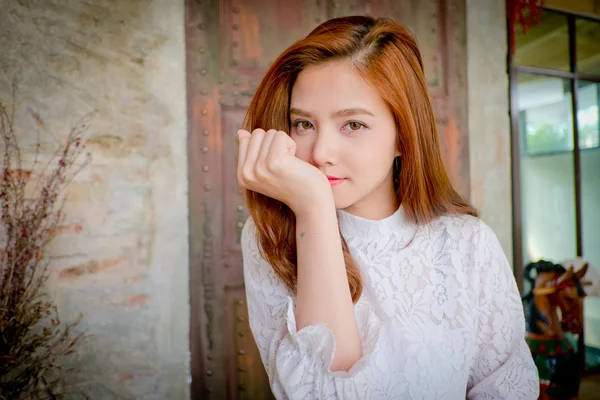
352	226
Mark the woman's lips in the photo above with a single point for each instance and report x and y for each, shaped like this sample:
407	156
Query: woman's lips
334	180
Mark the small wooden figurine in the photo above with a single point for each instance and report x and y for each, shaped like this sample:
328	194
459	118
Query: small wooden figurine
554	306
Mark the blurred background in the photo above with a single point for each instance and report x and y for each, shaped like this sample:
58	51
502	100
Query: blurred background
149	251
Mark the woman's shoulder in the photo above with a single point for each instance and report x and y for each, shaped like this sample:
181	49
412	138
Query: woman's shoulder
249	227
458	224
464	227
474	234
248	237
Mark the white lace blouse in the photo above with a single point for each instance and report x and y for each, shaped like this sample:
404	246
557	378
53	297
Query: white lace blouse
440	317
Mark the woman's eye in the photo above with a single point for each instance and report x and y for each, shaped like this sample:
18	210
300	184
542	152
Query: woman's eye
303	125
354	126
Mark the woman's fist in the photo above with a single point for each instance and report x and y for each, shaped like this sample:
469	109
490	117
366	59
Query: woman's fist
267	164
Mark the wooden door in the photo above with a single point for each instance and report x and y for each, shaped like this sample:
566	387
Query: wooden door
230	44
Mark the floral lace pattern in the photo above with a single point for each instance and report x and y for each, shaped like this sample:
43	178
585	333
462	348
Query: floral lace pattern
440	317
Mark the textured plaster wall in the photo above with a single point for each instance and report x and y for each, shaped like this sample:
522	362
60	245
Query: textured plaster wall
489	129
122	260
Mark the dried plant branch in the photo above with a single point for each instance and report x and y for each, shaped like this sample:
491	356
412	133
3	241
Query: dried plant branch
33	339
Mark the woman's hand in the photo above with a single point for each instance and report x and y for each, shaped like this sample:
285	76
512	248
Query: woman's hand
267	164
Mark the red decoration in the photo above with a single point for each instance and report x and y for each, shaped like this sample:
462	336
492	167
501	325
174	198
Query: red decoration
514	14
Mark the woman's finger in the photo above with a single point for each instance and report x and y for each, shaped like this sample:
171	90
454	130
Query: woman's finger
266	145
254	146
243	141
282	144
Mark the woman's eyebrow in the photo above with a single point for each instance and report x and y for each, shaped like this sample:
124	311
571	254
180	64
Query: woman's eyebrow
341	113
300	113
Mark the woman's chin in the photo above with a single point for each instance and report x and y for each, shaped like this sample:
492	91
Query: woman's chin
341	202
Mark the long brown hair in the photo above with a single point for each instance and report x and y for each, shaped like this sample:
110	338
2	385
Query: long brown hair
387	56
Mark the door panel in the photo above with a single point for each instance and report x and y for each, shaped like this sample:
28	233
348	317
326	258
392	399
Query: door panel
262	29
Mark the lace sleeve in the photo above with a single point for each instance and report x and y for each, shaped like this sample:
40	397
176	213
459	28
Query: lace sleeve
297	362
503	367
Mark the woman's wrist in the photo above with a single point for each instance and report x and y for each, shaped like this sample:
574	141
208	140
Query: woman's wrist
317	207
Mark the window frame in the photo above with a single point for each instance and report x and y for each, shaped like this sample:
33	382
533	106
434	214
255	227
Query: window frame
518	139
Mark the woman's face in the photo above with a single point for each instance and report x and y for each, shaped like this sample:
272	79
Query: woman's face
342	126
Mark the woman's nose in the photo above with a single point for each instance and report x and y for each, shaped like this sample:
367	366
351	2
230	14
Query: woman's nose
326	148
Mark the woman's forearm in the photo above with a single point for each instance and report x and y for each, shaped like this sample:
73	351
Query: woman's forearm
323	294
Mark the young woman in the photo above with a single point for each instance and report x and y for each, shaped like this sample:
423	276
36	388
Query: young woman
367	275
